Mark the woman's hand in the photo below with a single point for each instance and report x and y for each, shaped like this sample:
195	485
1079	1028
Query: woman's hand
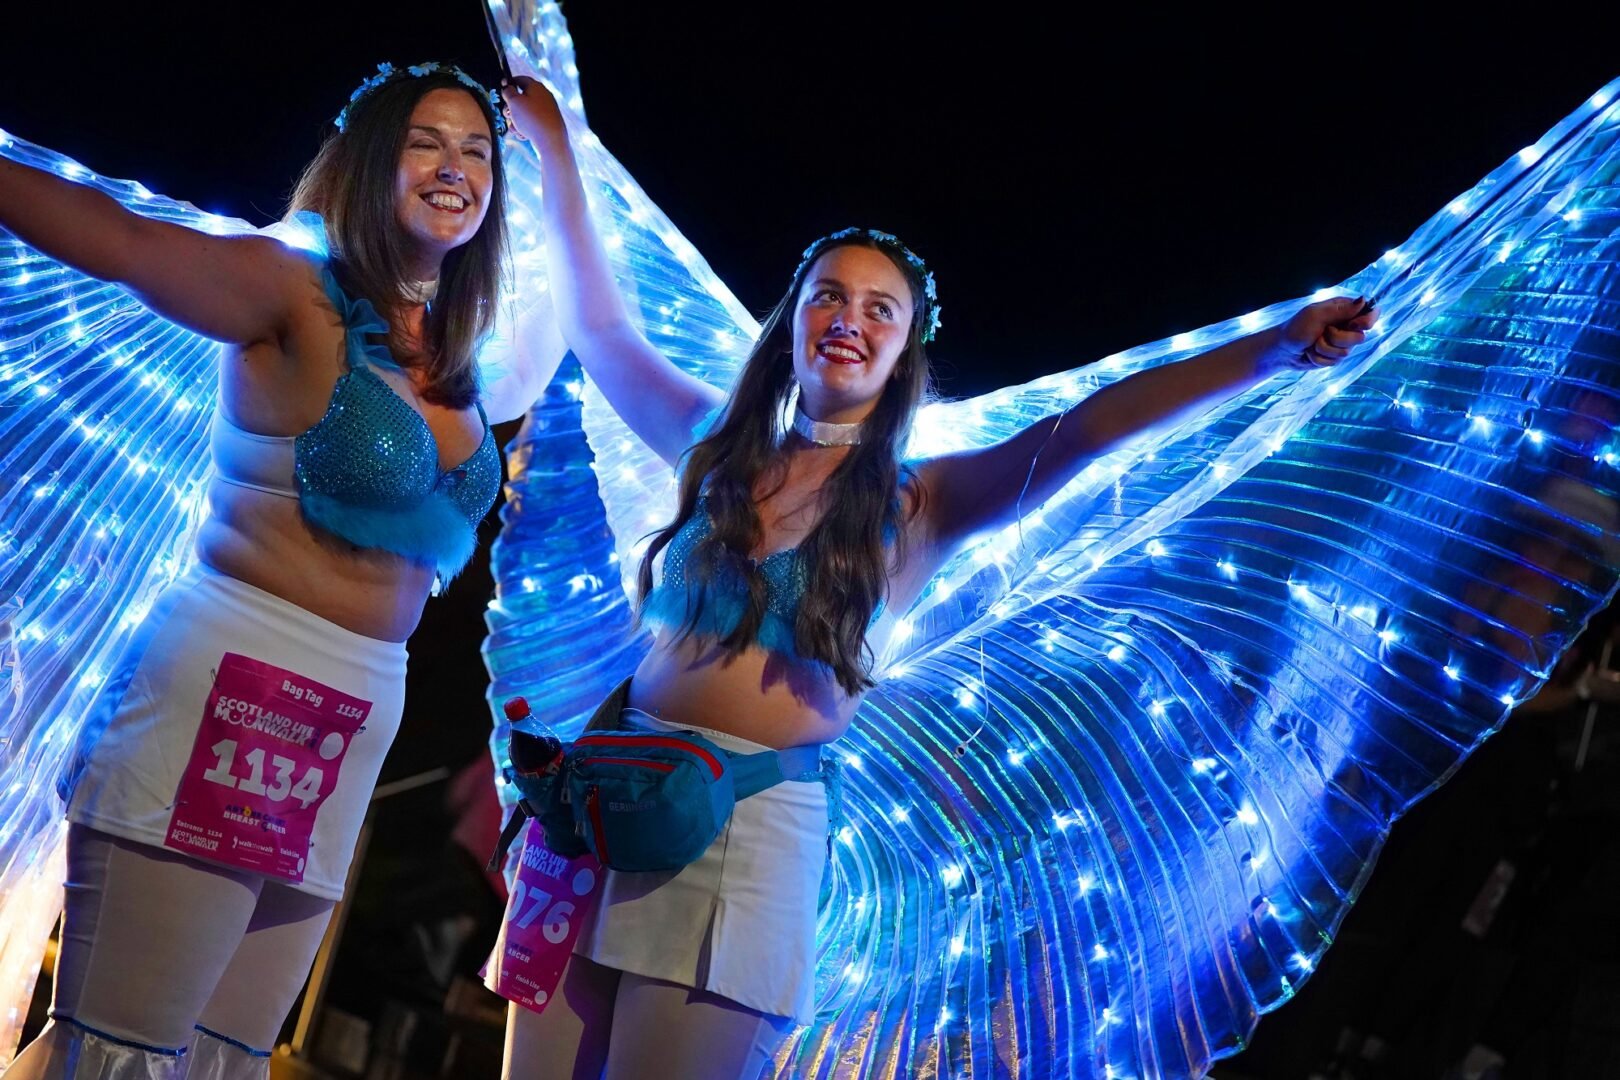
531	109
1322	334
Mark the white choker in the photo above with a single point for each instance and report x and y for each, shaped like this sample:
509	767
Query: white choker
823	434
421	292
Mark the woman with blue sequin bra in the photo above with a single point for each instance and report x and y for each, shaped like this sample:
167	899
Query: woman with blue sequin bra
223	774
800	533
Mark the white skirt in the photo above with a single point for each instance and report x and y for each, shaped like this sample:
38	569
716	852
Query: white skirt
142	731
741	920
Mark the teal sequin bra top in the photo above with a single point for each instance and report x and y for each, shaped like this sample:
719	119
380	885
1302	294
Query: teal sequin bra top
368	471
721	602
720	606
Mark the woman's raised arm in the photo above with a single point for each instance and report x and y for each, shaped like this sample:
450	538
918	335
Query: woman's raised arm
661	403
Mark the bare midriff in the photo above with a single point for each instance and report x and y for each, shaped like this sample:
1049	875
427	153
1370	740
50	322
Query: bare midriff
756	695
774	700
261	539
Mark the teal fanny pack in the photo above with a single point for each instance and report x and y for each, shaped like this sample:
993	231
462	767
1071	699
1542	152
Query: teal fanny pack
639	800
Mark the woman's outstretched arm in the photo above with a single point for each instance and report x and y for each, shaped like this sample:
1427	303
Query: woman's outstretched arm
661	403
234	289
978	490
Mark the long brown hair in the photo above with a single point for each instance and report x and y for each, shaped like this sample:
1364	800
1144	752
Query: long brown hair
351	183
847	558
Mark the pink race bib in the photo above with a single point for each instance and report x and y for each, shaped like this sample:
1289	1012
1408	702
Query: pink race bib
551	898
267	754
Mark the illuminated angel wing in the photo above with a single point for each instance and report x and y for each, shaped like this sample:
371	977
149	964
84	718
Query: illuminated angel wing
1216	669
104	413
1133	759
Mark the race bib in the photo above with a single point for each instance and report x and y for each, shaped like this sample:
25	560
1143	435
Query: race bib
551	899
267	754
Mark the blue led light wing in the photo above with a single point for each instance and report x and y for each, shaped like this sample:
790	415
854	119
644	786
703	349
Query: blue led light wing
1115	803
104	412
1133	758
560	628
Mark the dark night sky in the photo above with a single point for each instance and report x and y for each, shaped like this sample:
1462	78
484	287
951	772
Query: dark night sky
1078	189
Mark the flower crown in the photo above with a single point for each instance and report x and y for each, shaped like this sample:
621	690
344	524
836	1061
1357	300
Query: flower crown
387	73
891	244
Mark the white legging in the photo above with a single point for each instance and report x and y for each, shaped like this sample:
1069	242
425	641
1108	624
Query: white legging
162	954
608	1023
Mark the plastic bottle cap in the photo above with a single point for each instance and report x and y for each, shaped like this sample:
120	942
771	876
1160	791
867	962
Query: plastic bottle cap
516	708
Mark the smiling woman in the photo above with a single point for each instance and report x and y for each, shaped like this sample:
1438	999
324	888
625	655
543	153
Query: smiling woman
353	460
399	231
794	545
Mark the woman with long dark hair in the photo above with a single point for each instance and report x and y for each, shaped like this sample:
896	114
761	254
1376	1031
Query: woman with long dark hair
223	776
800	532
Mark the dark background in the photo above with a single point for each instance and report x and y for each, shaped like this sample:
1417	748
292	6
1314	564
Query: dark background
1080	185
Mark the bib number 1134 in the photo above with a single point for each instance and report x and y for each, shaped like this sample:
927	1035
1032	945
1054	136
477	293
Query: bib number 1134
268	753
307	789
